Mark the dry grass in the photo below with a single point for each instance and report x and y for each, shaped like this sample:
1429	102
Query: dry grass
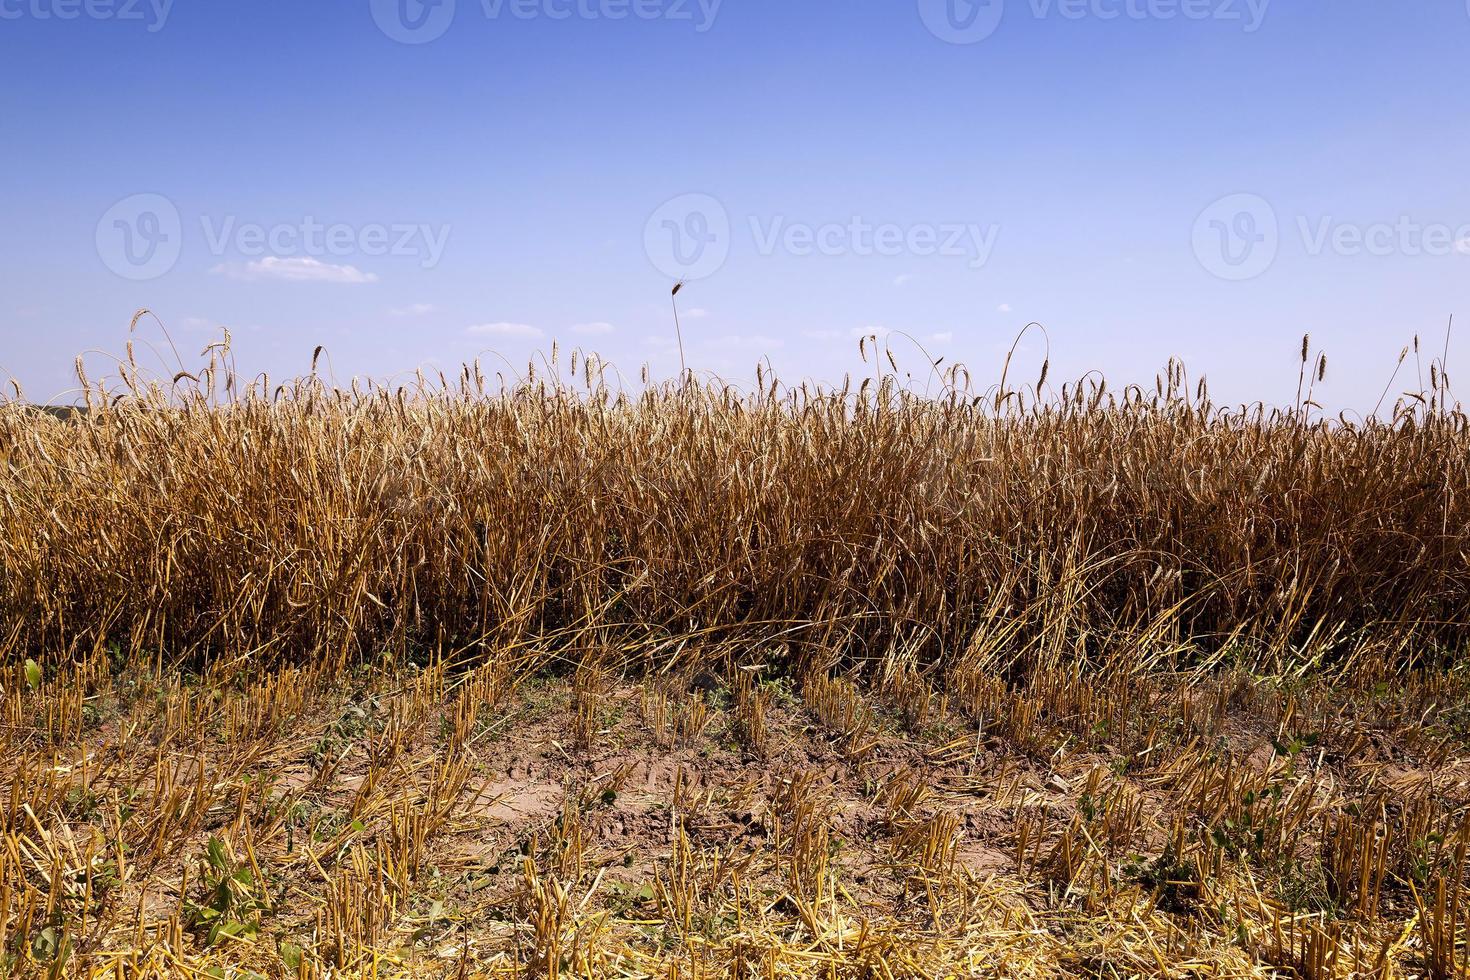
547	679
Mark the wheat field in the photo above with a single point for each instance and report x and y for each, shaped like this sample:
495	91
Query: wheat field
557	676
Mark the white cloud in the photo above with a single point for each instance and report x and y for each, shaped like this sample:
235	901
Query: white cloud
593	329
503	329
942	338
1003	308
295	269
875	331
748	341
904	279
414	309
698	313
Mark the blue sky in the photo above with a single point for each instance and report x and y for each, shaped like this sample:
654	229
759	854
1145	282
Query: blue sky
1146	178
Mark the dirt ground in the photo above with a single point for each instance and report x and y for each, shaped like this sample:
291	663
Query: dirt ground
434	821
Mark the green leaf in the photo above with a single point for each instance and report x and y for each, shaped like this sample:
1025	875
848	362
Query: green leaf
33	674
45	944
291	955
